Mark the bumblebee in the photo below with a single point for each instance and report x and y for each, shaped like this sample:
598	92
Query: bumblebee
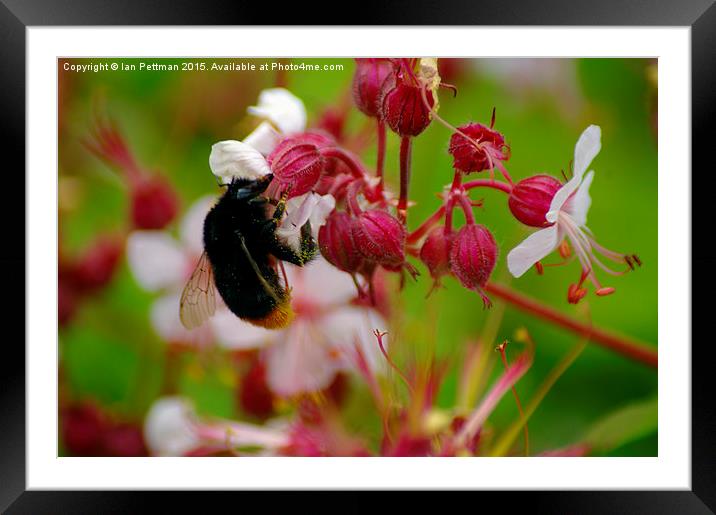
241	250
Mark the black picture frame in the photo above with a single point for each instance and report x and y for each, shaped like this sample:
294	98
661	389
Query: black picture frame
16	15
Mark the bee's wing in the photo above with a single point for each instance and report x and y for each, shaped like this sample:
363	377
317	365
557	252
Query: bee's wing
198	300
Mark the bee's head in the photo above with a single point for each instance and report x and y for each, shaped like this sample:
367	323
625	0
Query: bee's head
245	189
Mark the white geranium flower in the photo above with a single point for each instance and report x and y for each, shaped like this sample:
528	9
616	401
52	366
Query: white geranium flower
568	217
282	108
283	114
310	207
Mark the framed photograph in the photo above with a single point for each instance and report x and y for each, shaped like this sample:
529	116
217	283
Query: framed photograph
444	257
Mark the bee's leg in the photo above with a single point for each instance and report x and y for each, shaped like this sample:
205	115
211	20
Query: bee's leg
271	224
307	251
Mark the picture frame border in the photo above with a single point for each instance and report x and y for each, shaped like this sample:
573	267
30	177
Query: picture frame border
700	15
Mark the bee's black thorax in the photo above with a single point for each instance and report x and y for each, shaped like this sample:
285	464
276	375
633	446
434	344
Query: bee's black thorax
242	215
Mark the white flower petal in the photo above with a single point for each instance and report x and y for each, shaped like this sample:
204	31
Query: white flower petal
300	210
168	427
282	108
191	230
234	334
230	158
321	283
578	205
264	138
301	362
535	247
588	146
351	327
156	260
585	151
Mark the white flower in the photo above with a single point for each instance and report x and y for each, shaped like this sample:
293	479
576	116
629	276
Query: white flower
168	427
568	215
322	339
283	114
282	108
309	207
172	428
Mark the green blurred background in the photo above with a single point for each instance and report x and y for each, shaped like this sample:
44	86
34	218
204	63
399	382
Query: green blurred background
170	119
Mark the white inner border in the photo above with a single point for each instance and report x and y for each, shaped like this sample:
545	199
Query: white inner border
672	469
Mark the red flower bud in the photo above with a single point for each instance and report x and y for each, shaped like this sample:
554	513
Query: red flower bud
255	397
367	81
379	237
96	267
472	258
82	428
297	163
435	253
402	107
124	440
335	240
154	204
467	157
530	199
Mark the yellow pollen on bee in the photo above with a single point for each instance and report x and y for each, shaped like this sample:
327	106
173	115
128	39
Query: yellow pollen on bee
278	318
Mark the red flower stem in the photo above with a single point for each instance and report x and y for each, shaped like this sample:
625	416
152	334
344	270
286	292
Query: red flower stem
426	225
381	154
450	202
405	154
467	209
630	349
488	183
345	157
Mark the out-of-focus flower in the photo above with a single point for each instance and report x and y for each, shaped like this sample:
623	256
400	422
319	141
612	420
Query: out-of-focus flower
172	428
321	341
567	218
87	430
162	264
154	203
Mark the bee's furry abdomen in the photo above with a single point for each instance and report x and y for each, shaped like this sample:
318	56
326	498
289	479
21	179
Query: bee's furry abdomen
236	279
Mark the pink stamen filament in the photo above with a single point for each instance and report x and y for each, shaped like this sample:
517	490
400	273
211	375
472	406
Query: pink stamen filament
379	336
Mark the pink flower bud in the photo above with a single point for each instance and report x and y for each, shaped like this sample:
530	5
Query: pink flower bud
335	240
435	253
379	237
96	267
124	440
468	157
297	163
402	106
472	258
82	427
367	81
531	197
154	204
